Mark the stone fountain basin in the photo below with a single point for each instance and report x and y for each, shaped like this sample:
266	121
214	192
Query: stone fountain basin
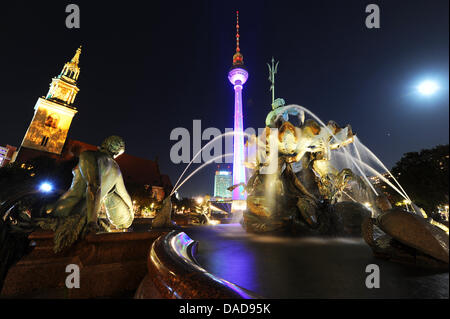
111	265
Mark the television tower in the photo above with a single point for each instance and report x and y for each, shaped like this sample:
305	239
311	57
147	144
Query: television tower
238	76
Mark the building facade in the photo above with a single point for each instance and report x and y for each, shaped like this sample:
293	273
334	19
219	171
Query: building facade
222	180
53	113
7	155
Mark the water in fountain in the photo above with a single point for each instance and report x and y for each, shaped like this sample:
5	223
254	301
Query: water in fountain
197	155
237	216
365	167
355	156
198	169
178	184
373	157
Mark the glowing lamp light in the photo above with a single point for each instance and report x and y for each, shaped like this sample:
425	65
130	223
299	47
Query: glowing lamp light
46	187
428	87
199	200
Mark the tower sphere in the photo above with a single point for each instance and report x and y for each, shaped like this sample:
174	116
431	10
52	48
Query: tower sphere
238	76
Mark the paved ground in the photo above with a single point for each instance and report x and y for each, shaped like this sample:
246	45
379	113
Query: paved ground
276	267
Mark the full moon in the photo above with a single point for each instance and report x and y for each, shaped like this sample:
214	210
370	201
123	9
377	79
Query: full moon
428	87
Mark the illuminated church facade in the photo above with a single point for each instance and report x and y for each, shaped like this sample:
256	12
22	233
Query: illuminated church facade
48	131
53	113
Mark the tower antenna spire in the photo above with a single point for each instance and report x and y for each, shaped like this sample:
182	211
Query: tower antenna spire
238	58
237	32
272	71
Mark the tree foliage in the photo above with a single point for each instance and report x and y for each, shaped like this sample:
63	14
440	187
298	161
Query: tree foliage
424	176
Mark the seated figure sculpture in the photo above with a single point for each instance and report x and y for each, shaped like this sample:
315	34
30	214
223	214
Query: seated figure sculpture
97	181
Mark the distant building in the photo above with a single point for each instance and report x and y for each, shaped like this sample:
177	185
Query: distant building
7	154
222	180
376	180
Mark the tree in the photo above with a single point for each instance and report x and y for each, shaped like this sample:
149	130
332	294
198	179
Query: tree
424	176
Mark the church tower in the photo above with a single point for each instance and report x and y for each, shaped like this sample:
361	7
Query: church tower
54	113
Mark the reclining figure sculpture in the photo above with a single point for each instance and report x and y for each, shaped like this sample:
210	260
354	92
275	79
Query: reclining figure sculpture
97	181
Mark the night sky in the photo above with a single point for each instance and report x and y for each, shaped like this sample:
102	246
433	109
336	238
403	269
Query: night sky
149	67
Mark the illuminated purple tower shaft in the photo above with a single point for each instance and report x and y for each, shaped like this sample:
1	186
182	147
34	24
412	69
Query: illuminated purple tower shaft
238	76
238	142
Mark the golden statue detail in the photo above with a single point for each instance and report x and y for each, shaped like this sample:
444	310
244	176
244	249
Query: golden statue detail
97	181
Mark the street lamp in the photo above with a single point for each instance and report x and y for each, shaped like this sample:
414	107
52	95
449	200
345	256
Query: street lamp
46	187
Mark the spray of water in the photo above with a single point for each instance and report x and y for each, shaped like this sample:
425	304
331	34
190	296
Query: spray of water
373	156
298	107
198	154
357	160
199	168
374	171
358	142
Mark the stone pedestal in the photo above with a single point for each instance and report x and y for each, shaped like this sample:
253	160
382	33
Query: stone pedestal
111	265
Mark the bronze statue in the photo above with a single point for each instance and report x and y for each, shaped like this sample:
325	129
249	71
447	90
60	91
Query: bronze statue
163	218
97	181
300	199
304	193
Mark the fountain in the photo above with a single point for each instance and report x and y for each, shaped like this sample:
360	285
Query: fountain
313	179
295	186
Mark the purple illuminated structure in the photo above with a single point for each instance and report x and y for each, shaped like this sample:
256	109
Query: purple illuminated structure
238	76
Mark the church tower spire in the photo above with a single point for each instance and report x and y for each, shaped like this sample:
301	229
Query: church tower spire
71	70
53	114
63	88
76	57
